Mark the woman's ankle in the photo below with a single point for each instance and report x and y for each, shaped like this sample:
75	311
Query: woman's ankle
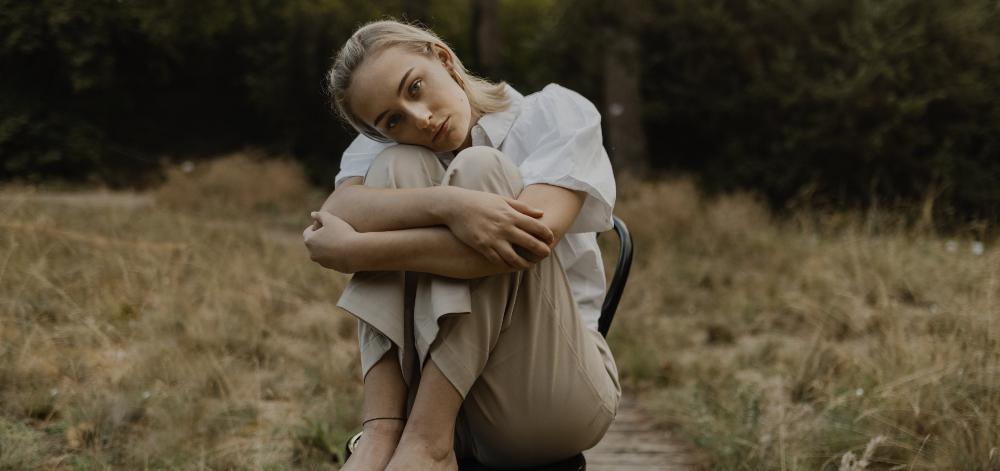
384	428
436	445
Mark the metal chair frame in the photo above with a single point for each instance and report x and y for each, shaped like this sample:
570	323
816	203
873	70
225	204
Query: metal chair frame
620	277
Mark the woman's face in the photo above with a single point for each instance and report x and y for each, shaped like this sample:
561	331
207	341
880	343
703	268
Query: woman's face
412	99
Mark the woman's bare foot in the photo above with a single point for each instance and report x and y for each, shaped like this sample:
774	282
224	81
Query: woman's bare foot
376	446
417	454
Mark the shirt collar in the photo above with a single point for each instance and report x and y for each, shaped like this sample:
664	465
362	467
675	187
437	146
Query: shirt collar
493	128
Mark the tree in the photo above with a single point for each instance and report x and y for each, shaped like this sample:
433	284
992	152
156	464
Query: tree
486	36
623	103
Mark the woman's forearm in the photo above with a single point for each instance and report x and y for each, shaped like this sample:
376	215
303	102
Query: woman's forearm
369	209
427	249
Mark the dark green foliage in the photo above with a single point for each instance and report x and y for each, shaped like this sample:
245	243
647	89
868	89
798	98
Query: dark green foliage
103	88
846	102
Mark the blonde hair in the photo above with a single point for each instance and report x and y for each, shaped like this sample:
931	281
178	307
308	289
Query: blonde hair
372	38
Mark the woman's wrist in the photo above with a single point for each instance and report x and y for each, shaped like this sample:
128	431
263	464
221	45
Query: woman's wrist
351	251
443	201
333	243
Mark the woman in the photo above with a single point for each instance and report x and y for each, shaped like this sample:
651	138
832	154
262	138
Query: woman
467	213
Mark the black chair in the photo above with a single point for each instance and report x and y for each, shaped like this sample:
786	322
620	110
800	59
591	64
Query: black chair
617	286
611	299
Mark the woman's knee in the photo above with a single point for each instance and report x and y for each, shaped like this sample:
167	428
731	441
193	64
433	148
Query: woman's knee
475	166
399	160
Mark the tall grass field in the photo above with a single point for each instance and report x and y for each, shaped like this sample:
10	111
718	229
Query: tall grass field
186	328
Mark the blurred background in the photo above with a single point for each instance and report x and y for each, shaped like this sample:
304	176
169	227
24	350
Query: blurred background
813	188
838	102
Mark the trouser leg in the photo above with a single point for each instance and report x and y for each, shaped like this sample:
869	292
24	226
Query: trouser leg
383	300
537	384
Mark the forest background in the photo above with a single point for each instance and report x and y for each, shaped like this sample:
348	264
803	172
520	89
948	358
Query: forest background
812	187
849	103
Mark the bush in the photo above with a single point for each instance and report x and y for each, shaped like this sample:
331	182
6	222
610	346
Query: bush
240	183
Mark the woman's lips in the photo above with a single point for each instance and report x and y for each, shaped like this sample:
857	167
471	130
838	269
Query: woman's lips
442	129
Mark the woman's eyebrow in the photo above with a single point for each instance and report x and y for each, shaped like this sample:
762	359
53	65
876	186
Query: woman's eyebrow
398	91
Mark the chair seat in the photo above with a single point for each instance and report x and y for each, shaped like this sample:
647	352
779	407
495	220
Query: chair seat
574	463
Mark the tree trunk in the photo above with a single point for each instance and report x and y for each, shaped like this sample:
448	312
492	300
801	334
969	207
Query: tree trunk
623	93
486	37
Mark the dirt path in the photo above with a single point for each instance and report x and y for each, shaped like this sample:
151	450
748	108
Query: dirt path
634	444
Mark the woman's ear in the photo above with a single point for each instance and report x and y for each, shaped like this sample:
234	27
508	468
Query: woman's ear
447	60
443	55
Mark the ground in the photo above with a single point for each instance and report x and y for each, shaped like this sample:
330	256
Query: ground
186	328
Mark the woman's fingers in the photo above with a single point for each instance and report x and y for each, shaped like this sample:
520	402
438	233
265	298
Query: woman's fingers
530	243
487	251
512	258
324	218
496	258
524	208
536	228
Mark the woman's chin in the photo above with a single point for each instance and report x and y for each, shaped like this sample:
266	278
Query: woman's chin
433	147
443	144
448	146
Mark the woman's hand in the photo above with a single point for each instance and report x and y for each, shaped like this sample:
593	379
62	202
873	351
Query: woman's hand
504	230
329	240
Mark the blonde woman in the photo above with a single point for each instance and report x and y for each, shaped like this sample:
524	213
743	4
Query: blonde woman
466	212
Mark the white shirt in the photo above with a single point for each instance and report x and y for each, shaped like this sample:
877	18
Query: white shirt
554	137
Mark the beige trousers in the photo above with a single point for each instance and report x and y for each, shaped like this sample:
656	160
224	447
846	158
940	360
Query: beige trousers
537	385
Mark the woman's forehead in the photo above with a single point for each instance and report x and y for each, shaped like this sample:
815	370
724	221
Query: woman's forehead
376	81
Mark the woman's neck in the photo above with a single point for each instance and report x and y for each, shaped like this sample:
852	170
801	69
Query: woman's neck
468	138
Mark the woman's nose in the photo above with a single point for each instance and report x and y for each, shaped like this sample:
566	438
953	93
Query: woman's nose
422	117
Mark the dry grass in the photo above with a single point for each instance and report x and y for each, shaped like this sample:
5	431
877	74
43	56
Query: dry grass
245	183
177	336
789	344
135	337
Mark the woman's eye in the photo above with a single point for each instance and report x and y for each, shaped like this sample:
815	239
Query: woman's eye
392	121
416	86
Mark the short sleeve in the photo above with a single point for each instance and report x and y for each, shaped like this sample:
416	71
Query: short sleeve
358	157
569	152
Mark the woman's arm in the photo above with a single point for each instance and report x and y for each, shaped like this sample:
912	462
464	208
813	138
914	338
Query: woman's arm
425	249
487	222
561	206
369	209
434	249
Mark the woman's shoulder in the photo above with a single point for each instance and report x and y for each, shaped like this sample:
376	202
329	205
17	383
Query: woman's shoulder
558	104
556	94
